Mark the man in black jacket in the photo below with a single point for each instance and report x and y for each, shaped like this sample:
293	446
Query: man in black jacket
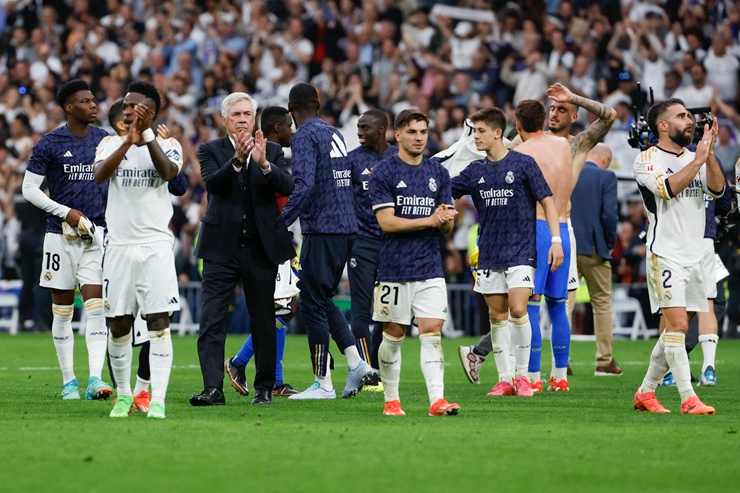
241	239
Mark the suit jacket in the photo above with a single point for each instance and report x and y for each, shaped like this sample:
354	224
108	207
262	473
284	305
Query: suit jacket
594	211
219	233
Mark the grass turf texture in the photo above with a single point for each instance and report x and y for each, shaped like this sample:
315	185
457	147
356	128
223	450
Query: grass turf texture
587	440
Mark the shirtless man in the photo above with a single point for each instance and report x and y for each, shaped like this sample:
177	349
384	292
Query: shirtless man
562	114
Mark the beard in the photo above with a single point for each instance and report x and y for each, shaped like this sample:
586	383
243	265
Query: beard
680	138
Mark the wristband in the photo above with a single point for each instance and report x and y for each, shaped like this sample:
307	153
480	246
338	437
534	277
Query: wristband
148	135
556	239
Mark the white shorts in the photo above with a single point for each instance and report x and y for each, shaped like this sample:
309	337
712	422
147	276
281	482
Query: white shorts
573	279
671	285
398	302
69	263
713	268
140	279
502	281
141	331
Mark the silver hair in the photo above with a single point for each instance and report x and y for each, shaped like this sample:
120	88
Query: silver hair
236	97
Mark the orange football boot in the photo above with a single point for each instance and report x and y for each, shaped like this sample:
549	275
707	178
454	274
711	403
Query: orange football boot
646	401
393	408
693	405
441	407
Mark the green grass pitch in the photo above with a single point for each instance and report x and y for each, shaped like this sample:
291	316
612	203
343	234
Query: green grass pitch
587	440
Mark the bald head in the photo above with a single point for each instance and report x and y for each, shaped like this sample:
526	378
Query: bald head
601	155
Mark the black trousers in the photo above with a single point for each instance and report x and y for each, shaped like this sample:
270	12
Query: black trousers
253	269
363	267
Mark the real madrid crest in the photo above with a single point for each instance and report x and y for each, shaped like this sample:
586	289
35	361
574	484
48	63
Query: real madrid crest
509	177
432	184
48	275
353	262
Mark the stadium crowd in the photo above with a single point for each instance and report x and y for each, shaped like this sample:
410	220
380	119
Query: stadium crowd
446	58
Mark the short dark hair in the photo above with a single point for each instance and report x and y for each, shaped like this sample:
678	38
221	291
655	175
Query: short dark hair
379	115
69	88
271	116
115	112
531	115
657	110
303	96
404	118
148	90
493	117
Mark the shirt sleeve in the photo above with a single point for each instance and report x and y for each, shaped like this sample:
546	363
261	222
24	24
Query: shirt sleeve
39	162
461	184
381	194
536	180
445	187
715	194
105	148
648	176
173	150
305	157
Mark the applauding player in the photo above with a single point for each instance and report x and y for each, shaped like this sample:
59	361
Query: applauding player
73	246
139	267
672	181
413	204
506	187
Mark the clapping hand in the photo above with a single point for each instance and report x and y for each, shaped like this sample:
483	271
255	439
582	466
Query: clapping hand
258	149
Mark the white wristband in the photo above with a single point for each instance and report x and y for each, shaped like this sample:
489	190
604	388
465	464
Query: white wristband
148	135
556	239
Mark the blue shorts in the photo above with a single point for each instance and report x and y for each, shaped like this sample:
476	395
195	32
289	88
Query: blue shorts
551	284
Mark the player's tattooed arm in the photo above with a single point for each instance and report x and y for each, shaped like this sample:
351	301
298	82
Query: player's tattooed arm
586	140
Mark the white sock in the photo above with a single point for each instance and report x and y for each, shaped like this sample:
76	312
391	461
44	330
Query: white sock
64	342
521	338
708	343
534	376
119	350
389	359
141	384
433	365
160	362
559	373
353	357
656	370
325	381
96	336
678	361
500	336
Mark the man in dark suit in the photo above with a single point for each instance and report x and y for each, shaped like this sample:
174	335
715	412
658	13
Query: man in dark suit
594	216
241	240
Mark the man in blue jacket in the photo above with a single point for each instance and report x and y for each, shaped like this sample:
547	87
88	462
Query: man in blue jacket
594	216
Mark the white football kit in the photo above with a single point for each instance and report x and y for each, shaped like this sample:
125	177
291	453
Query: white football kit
138	263
675	235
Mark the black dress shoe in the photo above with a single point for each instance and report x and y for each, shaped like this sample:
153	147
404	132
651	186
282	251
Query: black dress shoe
209	397
262	397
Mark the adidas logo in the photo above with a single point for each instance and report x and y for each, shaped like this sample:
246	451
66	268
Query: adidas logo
401	184
338	149
68	154
173	301
365	171
481	180
527	279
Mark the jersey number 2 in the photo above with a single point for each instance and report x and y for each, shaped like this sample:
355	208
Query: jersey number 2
666	277
386	291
